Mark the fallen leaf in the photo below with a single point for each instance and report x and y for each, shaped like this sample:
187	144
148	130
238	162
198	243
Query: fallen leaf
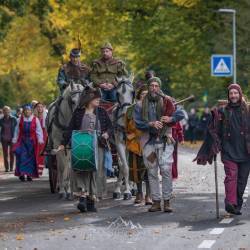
66	219
19	237
130	232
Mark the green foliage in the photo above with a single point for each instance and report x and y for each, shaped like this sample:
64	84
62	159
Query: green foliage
174	37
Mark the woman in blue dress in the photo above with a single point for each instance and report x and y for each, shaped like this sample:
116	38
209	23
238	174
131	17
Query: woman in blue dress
28	135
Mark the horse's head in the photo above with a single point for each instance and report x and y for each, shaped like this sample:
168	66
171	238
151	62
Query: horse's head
125	91
72	94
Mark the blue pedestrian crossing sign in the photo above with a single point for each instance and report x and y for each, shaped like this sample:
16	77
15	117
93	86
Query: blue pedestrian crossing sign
222	65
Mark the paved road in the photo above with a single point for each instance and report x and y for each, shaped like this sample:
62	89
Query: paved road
32	218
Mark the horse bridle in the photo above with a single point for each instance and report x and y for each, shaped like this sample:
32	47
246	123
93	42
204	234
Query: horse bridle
126	104
124	83
72	93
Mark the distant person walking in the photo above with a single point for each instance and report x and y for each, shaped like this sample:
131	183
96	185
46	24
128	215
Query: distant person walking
19	112
205	117
193	122
7	127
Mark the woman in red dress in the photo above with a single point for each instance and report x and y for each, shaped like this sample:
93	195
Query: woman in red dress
41	113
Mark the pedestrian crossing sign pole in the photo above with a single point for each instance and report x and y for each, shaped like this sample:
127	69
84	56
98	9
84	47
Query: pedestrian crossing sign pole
222	65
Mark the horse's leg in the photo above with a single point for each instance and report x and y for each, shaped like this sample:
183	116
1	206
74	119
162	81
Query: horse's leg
63	168
101	175
121	149
62	158
117	191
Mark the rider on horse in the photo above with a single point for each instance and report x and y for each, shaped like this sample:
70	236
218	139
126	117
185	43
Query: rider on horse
104	72
74	70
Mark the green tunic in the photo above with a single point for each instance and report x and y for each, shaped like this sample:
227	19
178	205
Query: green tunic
106	71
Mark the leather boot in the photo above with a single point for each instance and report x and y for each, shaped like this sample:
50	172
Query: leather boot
139	198
91	207
29	178
22	178
232	209
167	208
82	205
148	200
155	207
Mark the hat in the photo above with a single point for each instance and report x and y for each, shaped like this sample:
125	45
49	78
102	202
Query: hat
75	52
33	103
88	95
139	84
27	106
140	89
237	87
154	79
149	74
107	46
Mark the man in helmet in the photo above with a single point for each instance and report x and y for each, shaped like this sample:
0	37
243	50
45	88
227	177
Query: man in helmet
74	70
104	72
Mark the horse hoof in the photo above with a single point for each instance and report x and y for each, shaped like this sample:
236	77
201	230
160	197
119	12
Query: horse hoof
116	195
133	192
127	196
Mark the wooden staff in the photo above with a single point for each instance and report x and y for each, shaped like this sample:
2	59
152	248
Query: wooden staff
188	99
216	187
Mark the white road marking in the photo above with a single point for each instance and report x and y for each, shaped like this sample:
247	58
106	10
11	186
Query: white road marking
8	198
120	199
6	213
247	188
244	200
103	208
218	230
138	205
245	195
206	244
226	221
246	191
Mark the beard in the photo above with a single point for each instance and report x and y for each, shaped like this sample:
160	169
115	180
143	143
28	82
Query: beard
153	94
234	100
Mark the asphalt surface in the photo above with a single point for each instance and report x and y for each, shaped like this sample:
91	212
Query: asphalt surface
32	218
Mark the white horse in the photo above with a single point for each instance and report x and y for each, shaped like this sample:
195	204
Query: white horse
59	116
125	96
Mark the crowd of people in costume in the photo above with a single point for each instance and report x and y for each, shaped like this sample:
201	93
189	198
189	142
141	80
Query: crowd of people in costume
24	136
153	129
